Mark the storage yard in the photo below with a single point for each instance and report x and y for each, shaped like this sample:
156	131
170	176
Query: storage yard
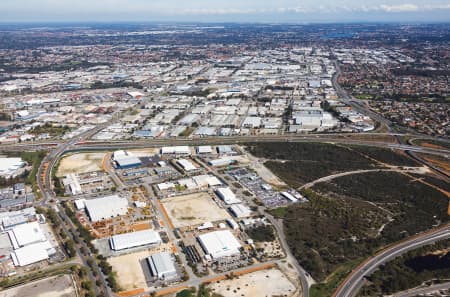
193	209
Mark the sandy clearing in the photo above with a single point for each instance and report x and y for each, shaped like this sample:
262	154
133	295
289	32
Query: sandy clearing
80	163
148	152
130	270
264	283
58	286
193	209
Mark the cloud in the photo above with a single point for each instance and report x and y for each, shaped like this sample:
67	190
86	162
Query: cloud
407	7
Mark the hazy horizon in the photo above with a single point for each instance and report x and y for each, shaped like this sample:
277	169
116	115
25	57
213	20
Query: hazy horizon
221	11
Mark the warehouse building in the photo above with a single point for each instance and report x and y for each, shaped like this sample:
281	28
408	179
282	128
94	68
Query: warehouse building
221	162
186	165
227	195
219	244
73	184
10	167
134	239
125	159
240	210
204	149
26	234
32	253
30	244
289	196
106	207
175	150
162	266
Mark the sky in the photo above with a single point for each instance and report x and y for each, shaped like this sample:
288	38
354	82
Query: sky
273	11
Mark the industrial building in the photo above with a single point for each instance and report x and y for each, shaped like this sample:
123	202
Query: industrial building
206	180
25	234
204	149
175	150
219	244
14	218
134	239
30	244
240	210
125	159
9	167
72	183
221	162
32	253
106	207
162	266
289	196
227	195
186	165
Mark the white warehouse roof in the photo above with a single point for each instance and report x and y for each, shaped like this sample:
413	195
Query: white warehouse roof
186	164
179	150
26	234
240	210
125	159
206	180
32	253
9	166
227	195
219	244
134	239
162	265
204	149
106	207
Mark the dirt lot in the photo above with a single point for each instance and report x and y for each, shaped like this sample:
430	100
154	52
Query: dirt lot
131	270
58	286
193	209
256	284
80	163
145	152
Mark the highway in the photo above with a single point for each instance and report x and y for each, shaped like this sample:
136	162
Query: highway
433	289
356	279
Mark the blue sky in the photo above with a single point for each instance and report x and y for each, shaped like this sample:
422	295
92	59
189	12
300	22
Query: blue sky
299	11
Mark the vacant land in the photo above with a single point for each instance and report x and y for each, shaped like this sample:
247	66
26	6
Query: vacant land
58	286
299	163
355	216
259	283
131	270
193	209
80	163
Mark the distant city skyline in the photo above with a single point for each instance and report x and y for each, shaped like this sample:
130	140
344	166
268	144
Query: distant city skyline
280	11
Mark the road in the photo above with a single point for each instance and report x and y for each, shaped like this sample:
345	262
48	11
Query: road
425	290
305	277
338	139
337	175
351	285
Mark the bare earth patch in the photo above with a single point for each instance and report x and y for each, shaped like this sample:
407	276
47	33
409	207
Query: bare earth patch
130	270
80	163
193	209
58	286
262	283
